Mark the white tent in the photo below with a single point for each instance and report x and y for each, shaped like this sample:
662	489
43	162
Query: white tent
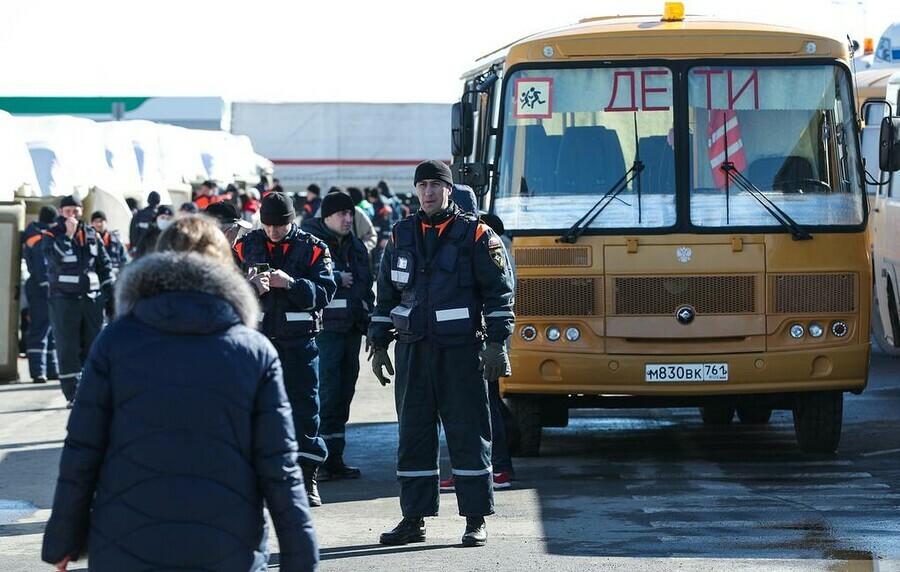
18	170
70	157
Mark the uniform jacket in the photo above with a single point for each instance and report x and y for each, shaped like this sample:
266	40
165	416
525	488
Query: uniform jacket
447	300
293	312
114	248
33	253
140	224
166	467
351	307
77	266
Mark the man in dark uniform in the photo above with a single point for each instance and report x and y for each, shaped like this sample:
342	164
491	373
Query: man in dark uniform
313	202
141	221
111	240
291	272
81	281
442	272
39	343
344	322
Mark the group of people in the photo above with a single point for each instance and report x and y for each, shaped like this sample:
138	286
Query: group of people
276	401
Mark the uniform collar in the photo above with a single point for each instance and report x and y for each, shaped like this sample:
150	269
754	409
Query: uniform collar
439	217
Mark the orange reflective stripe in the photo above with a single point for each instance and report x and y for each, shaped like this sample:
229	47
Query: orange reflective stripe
479	232
317	252
239	248
106	239
34	239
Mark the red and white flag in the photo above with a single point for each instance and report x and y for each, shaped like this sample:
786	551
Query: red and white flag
723	125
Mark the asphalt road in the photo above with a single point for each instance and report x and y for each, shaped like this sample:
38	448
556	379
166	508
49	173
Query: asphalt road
628	490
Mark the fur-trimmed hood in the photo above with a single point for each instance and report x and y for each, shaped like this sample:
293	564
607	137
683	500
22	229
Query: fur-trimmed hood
185	292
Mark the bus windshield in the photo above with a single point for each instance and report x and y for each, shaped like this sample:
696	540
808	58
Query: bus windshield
787	130
571	134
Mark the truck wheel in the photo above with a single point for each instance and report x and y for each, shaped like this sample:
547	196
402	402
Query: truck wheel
817	420
754	415
717	414
527	412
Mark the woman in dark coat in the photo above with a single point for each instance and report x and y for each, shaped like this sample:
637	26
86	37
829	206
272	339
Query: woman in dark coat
181	427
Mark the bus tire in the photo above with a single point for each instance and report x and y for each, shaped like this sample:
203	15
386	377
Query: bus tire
717	414
754	415
818	417
879	331
527	412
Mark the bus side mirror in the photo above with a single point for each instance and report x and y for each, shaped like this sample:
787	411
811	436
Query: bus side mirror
462	129
889	145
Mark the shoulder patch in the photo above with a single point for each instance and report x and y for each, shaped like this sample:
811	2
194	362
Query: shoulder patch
494	242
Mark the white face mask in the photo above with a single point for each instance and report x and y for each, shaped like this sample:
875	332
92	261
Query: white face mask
163	224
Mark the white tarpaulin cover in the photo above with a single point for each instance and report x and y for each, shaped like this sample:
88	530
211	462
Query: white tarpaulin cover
17	169
345	143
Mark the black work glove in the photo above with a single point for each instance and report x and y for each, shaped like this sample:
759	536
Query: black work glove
380	359
495	361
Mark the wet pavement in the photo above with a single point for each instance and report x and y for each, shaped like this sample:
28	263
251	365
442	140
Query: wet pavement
627	490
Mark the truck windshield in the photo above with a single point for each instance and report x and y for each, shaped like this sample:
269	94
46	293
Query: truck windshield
571	134
788	130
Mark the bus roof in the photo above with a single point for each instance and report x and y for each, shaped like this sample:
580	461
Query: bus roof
631	37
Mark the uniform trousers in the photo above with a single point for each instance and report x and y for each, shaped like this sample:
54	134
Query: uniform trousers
76	322
442	385
39	343
338	372
300	362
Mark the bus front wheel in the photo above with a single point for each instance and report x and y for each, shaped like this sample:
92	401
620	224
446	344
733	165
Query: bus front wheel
717	414
818	417
527	412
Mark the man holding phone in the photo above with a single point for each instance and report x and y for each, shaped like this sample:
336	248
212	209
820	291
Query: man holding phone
292	274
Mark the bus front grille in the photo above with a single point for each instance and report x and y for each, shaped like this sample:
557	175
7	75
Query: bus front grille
561	256
663	295
573	296
812	293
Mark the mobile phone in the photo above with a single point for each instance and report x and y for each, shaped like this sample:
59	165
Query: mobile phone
261	267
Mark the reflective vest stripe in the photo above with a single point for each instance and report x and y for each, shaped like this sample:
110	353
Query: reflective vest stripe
311	456
381	320
433	473
298	316
400	276
337	303
475	473
69	279
500	314
452	314
70	258
34	239
262	315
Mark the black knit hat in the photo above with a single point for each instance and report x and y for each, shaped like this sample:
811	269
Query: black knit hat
355	194
70	201
314	188
433	169
48	214
153	199
276	209
226	213
335	203
98	214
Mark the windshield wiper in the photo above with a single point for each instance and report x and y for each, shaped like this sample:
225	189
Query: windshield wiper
576	230
797	231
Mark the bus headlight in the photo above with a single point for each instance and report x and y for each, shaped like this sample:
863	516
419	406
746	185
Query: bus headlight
815	330
796	331
839	329
529	333
553	333
572	334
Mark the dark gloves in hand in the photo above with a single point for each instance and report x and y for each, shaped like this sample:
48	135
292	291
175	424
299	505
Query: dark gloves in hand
381	359
495	361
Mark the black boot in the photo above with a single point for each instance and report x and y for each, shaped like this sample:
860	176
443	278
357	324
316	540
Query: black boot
409	530
476	532
337	469
312	486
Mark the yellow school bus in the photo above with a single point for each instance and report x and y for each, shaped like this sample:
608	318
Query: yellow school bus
687	211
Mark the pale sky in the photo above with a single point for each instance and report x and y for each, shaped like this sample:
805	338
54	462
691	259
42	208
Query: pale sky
317	50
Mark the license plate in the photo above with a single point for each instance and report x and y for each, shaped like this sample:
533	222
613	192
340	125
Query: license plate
666	372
